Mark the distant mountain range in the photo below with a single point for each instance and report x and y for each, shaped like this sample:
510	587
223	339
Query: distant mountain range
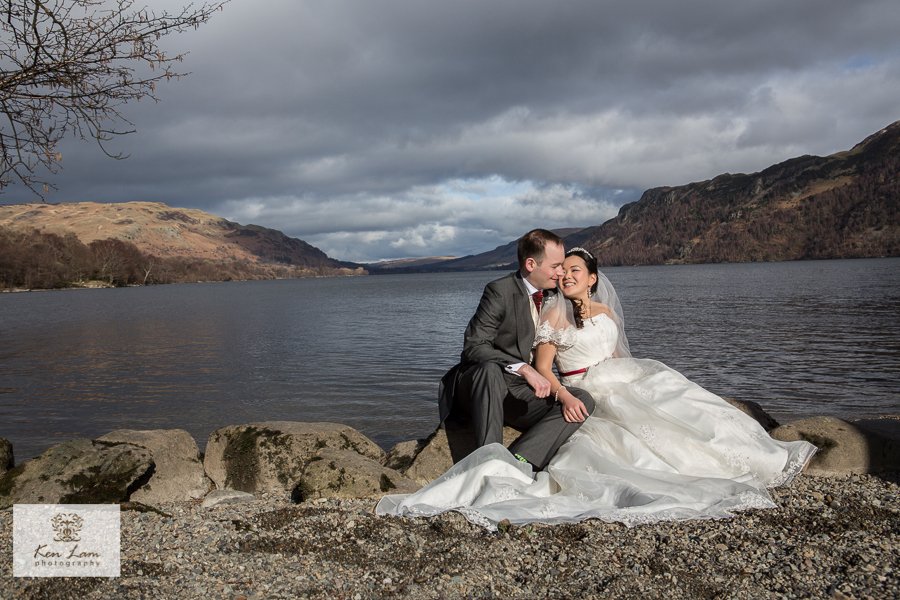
160	230
840	206
501	257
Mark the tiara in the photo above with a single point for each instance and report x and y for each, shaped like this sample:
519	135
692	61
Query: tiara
580	249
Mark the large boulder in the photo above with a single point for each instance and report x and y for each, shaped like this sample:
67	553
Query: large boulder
445	447
6	456
869	446
271	456
80	471
336	473
178	474
756	411
402	455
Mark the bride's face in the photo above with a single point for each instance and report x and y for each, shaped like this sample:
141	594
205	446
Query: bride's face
577	279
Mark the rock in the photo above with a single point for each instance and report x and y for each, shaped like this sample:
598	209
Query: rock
756	411
80	471
869	446
445	447
178	474
402	455
271	456
6	456
883	435
337	473
434	458
220	497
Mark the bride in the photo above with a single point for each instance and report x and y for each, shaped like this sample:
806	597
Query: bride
657	446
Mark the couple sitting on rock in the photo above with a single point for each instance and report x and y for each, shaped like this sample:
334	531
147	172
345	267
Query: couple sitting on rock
605	435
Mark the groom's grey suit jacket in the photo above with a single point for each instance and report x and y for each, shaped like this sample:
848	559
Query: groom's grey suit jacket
500	331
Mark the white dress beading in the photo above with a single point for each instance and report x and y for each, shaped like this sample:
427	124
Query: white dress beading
657	447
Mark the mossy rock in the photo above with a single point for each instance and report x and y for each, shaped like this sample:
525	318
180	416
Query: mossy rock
402	455
271	455
6	456
80	471
178	473
338	473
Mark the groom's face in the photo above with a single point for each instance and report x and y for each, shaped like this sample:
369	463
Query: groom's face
544	274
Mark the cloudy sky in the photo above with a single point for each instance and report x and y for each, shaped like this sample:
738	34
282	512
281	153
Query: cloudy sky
379	129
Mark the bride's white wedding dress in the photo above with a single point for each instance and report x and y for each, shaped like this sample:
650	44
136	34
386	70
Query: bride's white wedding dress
657	447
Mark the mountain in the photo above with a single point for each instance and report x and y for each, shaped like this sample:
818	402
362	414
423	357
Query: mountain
160	230
501	257
407	263
839	206
184	244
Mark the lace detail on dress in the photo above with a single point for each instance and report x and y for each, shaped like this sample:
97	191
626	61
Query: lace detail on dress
739	461
750	500
645	394
795	466
507	493
477	518
561	338
648	434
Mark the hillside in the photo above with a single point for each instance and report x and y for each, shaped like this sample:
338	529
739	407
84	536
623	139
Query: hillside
839	206
160	230
167	244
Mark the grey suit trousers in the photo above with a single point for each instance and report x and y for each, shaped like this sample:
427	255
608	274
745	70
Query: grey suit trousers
494	397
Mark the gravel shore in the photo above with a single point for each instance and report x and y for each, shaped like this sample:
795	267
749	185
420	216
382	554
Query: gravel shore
829	538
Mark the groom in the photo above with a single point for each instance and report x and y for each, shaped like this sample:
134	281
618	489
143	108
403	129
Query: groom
494	384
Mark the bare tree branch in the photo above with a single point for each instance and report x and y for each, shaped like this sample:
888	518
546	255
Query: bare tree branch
67	67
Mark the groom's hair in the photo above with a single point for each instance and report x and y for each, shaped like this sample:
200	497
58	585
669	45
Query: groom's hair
532	244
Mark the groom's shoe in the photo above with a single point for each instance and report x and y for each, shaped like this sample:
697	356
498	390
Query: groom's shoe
522	459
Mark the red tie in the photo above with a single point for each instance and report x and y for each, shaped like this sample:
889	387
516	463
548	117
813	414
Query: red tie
538	298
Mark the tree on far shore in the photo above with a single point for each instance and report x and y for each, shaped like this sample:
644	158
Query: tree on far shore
68	66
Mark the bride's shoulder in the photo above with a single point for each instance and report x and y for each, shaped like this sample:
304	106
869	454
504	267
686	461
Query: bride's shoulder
598	308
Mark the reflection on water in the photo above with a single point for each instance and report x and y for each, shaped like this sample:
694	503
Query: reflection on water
800	338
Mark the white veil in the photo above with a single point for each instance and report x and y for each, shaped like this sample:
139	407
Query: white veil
557	325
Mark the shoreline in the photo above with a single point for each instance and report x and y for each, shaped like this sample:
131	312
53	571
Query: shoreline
400	271
876	413
308	527
829	538
107	286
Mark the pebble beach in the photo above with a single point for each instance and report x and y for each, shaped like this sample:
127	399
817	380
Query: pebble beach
830	537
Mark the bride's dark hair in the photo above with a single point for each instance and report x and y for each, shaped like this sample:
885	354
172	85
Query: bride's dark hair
591	263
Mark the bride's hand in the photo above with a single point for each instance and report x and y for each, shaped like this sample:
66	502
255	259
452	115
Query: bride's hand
573	409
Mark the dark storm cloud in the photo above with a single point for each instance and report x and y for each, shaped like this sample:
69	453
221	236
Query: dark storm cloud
394	128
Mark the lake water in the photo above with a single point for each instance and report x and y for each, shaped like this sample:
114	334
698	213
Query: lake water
800	338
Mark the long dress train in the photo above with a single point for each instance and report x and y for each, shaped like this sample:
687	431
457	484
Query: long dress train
657	447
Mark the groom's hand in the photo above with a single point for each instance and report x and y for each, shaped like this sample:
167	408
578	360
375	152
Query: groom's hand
538	382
